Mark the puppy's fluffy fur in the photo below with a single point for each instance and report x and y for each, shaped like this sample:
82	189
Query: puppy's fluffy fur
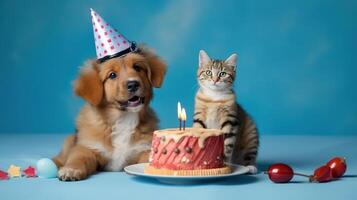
114	128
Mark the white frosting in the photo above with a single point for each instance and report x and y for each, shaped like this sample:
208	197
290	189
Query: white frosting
176	134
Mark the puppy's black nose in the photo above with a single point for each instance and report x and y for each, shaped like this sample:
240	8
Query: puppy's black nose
132	86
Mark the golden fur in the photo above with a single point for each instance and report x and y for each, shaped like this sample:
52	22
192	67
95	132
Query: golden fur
109	134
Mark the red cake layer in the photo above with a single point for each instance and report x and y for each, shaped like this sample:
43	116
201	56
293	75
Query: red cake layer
187	150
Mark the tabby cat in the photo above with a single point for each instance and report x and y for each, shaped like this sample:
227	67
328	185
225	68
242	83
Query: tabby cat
216	107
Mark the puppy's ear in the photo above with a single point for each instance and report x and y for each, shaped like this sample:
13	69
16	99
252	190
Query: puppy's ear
88	85
158	71
157	66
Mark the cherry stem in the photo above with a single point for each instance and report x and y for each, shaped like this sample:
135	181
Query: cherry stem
299	174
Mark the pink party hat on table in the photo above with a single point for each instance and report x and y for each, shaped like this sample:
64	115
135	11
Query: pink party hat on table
109	43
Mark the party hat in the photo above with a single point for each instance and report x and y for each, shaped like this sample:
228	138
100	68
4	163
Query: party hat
109	43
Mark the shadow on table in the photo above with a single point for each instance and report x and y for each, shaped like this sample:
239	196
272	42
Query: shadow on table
349	176
237	180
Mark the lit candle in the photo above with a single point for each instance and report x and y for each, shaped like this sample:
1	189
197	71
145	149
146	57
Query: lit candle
183	118
179	113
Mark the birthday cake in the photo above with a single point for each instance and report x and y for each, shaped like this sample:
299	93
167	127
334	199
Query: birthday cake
189	152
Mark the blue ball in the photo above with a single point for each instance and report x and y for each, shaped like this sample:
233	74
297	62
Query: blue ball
46	168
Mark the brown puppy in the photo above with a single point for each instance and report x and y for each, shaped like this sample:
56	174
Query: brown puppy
114	129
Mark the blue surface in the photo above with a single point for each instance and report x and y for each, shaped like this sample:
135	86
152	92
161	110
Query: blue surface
297	59
303	153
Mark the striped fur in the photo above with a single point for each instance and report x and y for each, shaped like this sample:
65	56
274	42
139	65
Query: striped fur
216	107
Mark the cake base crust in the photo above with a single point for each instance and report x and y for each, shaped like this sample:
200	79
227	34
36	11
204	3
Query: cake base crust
198	172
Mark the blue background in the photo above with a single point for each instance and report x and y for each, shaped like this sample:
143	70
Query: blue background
296	71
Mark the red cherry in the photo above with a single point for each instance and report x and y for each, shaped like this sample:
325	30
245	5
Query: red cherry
322	174
338	166
280	173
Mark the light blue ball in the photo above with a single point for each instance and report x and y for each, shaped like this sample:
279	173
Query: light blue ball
46	168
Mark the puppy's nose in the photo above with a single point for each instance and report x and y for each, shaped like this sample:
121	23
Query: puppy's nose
132	86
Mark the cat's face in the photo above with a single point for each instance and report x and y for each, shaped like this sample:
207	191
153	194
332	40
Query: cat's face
216	75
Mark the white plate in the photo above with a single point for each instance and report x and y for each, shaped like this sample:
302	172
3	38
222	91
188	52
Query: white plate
138	170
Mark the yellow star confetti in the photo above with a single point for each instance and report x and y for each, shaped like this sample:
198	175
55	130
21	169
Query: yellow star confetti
14	171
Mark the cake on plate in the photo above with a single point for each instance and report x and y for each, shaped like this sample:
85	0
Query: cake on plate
189	152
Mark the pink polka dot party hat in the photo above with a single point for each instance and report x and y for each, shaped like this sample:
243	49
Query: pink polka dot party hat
109	43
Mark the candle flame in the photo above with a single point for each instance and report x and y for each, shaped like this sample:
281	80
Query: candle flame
179	110
183	114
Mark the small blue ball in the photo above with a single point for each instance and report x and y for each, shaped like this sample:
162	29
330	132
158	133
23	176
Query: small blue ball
46	168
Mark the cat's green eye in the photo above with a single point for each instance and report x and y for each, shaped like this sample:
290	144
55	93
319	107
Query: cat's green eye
222	74
209	73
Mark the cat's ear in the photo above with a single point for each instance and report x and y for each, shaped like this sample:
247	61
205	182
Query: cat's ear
203	58
232	60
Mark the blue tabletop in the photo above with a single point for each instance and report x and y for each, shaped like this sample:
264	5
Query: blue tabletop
303	153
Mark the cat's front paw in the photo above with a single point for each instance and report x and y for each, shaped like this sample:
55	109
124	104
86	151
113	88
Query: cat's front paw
252	169
198	124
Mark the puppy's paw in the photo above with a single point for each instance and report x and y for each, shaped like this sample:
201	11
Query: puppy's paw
252	169
71	174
